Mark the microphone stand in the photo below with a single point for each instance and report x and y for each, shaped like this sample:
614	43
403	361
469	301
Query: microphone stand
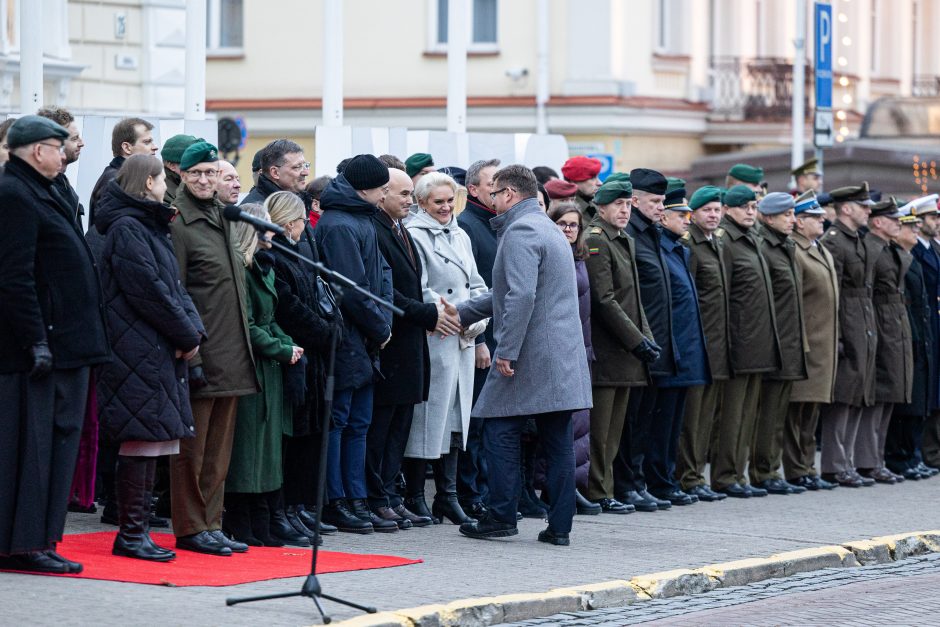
311	587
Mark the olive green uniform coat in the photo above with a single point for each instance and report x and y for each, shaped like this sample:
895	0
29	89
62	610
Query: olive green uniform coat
894	360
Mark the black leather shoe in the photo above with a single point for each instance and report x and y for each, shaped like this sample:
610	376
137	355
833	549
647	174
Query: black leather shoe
734	490
282	531
660	503
613	506
360	510
639	503
795	489
308	518
414	519
584	506
755	491
294	520
157	522
337	513
203	542
676	497
806	482
235	545
488	528
450	509
73	567
34	562
475	510
79	509
109	515
867	482
924	469
705	494
844	479
774	486
419	506
912	474
387	513
822	484
551	537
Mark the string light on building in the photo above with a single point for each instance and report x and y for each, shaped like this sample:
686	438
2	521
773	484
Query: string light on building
844	81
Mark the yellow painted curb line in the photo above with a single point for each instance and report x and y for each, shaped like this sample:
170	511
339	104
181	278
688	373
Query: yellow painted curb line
515	607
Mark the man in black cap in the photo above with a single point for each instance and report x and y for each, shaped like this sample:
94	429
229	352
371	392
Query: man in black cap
347	241
52	331
858	335
649	192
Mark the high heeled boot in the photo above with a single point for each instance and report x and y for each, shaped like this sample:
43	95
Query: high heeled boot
446	504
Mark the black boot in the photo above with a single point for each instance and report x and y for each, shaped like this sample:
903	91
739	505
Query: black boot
294	519
338	513
360	509
236	522
419	506
584	506
260	517
529	503
134	511
309	518
281	529
151	481
446	504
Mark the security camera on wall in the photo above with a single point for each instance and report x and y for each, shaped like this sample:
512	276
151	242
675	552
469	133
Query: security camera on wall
517	73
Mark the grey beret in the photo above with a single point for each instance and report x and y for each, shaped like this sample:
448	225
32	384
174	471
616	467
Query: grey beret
30	129
774	203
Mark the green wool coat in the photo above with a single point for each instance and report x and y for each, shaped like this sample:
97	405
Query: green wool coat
262	418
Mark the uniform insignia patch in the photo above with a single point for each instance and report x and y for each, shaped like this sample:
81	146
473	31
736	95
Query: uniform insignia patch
719	232
597	230
594	251
686	236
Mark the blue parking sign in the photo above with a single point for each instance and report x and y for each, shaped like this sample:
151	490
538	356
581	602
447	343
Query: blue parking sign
823	37
607	165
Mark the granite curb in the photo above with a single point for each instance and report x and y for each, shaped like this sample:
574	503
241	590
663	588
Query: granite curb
515	607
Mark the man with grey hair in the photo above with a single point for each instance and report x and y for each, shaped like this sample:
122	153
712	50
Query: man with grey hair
534	307
475	221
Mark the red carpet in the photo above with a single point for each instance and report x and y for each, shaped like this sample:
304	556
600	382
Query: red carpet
93	550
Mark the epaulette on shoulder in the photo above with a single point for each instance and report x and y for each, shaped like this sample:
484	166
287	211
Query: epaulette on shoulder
719	232
686	236
831	232
597	230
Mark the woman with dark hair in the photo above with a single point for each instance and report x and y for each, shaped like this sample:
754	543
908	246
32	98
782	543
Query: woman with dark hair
544	200
153	327
314	189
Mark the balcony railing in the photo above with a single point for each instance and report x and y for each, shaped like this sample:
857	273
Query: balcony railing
759	90
925	86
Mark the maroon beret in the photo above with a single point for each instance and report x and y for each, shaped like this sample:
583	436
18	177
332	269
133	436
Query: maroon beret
581	168
558	188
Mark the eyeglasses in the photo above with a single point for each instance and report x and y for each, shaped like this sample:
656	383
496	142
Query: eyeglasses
568	226
198	174
59	147
304	165
498	192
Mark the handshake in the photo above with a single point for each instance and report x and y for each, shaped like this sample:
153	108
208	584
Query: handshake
448	320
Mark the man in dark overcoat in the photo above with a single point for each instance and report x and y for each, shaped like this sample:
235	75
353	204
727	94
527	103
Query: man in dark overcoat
52	331
858	335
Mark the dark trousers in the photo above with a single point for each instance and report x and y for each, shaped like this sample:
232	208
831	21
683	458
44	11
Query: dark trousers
352	414
732	441
628	463
385	450
799	441
41	423
502	442
901	443
197	474
301	469
471	464
767	443
662	442
607	425
702	404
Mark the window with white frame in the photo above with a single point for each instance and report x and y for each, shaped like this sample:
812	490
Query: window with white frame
669	36
224	26
482	28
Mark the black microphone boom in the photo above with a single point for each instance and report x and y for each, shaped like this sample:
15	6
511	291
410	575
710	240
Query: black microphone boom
234	214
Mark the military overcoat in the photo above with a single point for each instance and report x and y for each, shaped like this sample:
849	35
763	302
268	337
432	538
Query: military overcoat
711	280
894	359
780	253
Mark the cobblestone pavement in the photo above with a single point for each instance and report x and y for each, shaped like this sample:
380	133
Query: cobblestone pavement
898	593
603	548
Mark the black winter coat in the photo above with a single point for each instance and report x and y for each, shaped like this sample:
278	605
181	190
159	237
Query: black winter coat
49	289
923	342
296	314
110	171
475	221
347	244
143	394
406	361
655	290
929	261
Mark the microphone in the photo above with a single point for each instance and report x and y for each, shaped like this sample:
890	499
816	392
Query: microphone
234	214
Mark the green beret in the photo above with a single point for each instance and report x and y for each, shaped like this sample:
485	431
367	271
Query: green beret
174	147
609	192
30	129
200	152
703	196
417	162
746	173
622	177
738	196
673	183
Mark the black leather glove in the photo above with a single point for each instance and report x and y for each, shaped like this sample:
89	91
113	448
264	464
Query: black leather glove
647	351
197	378
42	359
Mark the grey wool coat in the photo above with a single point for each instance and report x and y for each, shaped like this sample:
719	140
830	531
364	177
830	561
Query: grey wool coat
534	307
450	272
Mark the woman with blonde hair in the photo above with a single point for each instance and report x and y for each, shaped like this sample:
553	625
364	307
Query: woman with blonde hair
255	473
440	425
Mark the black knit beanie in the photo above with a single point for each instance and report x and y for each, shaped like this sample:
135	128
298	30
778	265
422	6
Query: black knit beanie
366	172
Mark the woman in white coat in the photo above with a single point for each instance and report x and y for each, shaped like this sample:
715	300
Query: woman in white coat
439	427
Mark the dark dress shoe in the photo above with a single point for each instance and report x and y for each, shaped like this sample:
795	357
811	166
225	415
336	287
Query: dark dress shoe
866	481
308	518
360	509
755	491
584	506
912	474
450	509
774	486
676	497
157	548
202	542
73	567
387	513
613	506
705	494
80	509
419	506
488	528
109	515
338	514
806	482
795	489
294	520
734	490
34	562
140	546
553	537
660	503
235	545
414	519
474	510
639	503
282	531
924	469
881	475
844	479
822	484
156	522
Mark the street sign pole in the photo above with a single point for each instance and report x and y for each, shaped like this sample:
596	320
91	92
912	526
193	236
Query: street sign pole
823	122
